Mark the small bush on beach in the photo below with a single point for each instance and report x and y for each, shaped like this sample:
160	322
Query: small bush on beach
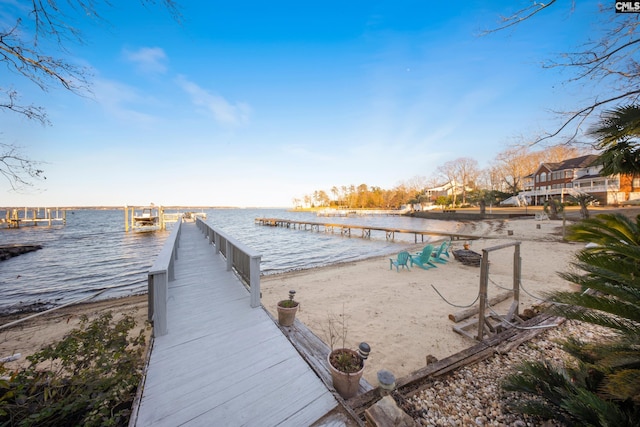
89	378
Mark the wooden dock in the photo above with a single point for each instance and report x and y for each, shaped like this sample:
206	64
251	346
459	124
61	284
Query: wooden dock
16	218
223	362
365	230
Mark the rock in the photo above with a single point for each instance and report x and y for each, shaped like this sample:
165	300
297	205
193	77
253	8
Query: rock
9	251
386	413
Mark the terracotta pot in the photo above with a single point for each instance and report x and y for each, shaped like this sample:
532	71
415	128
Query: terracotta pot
346	384
286	316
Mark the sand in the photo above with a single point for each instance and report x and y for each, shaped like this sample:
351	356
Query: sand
398	313
401	316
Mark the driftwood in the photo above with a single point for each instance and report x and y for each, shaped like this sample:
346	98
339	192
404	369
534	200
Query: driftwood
465	314
418	380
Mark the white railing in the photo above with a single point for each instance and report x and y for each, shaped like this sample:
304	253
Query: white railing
241	259
160	274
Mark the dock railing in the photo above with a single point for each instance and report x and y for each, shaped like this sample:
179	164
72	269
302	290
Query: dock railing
241	259
160	274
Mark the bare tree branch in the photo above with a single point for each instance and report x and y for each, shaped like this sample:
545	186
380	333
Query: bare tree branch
519	16
48	66
18	169
581	115
610	64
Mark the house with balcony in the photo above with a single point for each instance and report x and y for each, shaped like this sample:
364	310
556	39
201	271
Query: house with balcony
575	176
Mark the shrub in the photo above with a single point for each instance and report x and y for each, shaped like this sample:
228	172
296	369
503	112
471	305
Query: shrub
89	378
602	388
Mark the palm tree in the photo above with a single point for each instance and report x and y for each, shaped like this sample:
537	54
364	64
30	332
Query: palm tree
617	135
583	200
603	387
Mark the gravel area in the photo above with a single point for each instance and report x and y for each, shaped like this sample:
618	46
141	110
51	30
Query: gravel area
471	396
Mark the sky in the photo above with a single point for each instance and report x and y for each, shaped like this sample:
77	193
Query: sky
255	104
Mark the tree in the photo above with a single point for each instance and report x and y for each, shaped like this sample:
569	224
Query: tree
33	46
583	200
448	172
609	63
17	168
336	193
466	172
518	160
513	164
603	387
617	135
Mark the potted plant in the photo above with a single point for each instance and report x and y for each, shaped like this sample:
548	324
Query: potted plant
346	367
287	309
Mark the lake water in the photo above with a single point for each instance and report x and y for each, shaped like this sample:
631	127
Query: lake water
93	252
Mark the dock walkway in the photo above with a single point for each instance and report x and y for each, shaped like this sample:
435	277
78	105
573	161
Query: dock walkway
366	230
223	362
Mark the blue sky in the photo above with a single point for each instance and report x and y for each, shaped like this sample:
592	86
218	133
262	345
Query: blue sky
257	103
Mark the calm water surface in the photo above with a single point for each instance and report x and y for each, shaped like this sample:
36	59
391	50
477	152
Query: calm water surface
93	252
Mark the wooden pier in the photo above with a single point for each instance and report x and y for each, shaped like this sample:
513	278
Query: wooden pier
218	358
16	218
365	231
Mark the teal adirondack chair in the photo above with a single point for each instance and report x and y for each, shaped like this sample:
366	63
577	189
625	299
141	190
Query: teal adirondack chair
423	259
401	261
443	249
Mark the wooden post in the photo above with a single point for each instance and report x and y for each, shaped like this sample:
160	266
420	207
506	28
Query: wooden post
150	297
254	279
126	223
160	294
484	282
229	253
517	273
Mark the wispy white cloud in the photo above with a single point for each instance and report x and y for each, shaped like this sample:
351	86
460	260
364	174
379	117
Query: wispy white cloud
117	99
148	59
218	107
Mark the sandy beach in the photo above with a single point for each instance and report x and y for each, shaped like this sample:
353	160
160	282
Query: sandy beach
398	313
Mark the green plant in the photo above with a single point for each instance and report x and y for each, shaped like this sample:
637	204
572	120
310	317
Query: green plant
553	207
602	386
583	200
89	378
288	303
